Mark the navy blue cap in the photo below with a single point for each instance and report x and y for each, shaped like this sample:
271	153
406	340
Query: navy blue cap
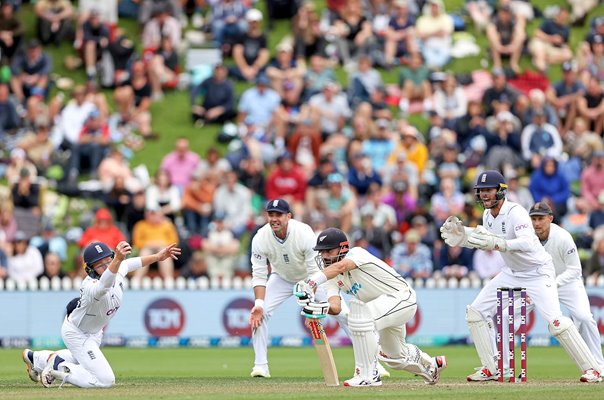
278	205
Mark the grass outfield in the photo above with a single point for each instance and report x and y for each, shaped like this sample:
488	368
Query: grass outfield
224	374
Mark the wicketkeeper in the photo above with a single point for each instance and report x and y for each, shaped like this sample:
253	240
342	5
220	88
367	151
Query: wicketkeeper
506	227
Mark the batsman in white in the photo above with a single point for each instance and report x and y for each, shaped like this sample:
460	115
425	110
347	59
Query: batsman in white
383	302
507	228
83	363
559	243
287	246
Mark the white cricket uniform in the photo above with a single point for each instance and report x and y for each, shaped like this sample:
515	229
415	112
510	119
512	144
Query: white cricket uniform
291	260
389	298
527	264
82	330
571	291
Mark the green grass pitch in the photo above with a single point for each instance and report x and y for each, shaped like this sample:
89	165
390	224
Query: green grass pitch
223	373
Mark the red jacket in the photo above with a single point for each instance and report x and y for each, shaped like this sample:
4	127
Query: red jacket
111	236
280	183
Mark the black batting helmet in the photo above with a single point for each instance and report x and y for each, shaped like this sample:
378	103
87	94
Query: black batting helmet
491	179
331	238
93	253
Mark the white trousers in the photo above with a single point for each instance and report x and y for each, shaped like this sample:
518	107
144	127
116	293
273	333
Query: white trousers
87	364
390	314
540	286
574	297
277	291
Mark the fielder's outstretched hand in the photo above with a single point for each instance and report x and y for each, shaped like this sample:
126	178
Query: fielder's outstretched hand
122	250
169	252
256	316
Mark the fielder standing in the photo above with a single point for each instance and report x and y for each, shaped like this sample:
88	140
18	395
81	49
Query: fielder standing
83	363
383	302
507	228
571	292
287	245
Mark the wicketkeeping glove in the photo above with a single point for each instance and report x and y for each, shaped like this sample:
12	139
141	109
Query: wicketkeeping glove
315	310
453	232
485	240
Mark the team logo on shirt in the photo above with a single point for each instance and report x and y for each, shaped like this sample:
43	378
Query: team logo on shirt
286	258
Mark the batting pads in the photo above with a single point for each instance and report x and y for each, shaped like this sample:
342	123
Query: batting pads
567	334
480	331
414	360
364	341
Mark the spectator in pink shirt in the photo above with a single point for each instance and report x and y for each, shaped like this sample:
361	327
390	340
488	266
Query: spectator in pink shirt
592	181
180	163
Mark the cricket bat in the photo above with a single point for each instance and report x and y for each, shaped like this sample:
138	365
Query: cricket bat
319	338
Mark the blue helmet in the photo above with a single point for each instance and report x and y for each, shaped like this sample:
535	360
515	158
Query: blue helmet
491	179
93	253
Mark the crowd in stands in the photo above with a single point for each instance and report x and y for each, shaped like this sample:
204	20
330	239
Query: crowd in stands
342	153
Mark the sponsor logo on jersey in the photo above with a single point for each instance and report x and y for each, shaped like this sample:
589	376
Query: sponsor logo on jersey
164	317
355	288
113	310
340	283
521	227
503	227
571	251
257	256
91	355
235	317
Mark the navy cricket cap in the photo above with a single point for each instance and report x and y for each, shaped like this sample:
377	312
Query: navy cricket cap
278	205
540	208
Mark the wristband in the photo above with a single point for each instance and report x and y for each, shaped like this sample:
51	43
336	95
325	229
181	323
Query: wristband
317	279
259	303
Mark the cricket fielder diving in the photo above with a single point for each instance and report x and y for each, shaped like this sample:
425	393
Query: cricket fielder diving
383	303
83	363
506	227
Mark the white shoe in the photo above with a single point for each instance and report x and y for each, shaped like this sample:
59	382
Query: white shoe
591	376
481	375
357	381
383	372
438	364
260	372
46	378
31	372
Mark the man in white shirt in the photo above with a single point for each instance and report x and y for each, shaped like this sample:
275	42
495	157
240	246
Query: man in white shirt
560	245
507	228
83	364
287	244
